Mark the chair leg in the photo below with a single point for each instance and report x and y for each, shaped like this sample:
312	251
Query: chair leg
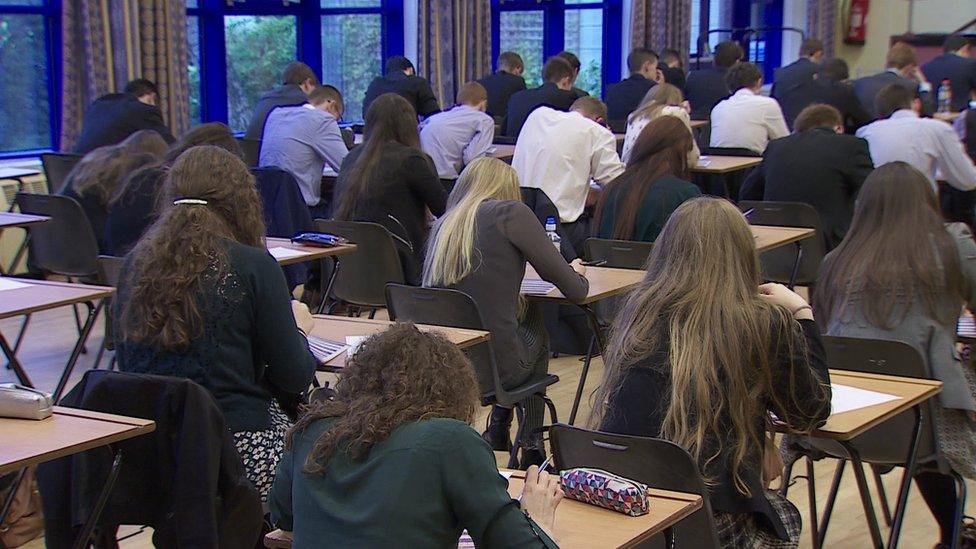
372	313
960	508
787	473
882	495
812	497
865	493
113	364
513	462
551	406
20	334
831	499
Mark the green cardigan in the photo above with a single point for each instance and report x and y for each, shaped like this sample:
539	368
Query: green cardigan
664	196
418	488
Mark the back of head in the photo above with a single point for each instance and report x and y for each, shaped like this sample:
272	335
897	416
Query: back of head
591	108
326	93
671	55
556	69
638	57
396	377
811	46
818	115
727	54
451	247
656	98
146	141
471	94
571	58
509	61
743	75
900	55
833	70
216	134
298	73
954	43
100	173
398	63
891	98
141	87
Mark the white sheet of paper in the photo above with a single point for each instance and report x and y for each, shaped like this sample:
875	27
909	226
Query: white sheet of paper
279	252
10	284
506	474
846	398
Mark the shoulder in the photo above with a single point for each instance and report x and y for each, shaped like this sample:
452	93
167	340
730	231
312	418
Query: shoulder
250	259
674	183
441	433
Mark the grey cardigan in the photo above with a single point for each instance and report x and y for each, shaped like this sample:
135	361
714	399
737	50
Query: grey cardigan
935	341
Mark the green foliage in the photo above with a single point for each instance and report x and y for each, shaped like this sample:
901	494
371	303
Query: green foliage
352	49
258	48
24	107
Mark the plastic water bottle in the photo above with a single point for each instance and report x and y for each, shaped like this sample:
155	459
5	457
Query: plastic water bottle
945	96
552	234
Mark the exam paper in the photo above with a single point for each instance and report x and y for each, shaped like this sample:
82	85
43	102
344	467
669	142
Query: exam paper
536	287
846	398
279	252
11	284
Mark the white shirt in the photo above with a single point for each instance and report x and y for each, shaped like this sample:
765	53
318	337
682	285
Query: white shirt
455	137
930	146
560	152
637	124
747	121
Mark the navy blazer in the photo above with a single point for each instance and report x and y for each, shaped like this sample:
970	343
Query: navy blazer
792	76
867	89
113	117
624	96
414	89
521	105
704	89
674	76
500	87
961	73
839	95
287	95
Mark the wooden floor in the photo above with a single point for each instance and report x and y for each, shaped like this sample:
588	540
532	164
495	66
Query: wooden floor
52	334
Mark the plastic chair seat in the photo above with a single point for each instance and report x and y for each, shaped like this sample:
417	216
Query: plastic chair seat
521	392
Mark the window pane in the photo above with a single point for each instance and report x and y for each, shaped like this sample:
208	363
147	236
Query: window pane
258	48
695	25
352	52
21	2
193	65
351	3
24	107
190	4
584	37
522	32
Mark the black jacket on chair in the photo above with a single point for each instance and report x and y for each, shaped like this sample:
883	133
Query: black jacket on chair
414	89
286	95
521	105
961	73
839	95
624	96
704	89
867	89
113	117
185	479
500	87
792	76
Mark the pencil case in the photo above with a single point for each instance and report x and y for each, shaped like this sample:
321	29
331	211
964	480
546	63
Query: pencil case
322	240
21	402
603	489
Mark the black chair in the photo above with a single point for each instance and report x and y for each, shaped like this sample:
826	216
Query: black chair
361	281
251	149
109	270
779	264
56	167
657	463
885	445
443	307
620	254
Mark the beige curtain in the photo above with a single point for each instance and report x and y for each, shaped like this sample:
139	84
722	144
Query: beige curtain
822	23
454	44
660	24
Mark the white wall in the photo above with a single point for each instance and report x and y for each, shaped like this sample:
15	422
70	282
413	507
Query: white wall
410	26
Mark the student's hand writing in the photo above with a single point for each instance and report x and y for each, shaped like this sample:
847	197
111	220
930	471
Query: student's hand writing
303	318
782	296
540	497
578	266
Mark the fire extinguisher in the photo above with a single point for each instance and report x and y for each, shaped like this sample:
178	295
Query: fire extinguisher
857	21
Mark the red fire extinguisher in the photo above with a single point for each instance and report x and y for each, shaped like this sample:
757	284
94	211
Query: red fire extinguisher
857	21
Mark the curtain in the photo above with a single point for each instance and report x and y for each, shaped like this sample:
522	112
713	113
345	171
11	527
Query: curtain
660	24
454	44
822	23
109	42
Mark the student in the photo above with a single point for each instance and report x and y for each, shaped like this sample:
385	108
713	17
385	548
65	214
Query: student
456	137
661	100
555	92
134	207
901	274
635	205
958	67
221	315
706	87
746	121
701	353
789	78
574	62
297	81
673	68
624	96
401	78
390	181
480	247
506	81
302	140
392	461
817	165
113	117
829	86
931	146
902	69
560	153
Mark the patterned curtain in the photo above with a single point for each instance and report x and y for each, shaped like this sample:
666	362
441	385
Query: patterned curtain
109	42
660	24
822	23
454	44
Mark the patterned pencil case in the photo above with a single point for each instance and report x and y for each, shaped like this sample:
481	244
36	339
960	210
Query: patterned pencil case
603	489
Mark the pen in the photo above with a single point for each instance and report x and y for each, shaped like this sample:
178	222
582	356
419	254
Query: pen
541	468
596	263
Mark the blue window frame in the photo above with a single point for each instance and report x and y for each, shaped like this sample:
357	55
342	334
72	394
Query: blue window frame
30	60
238	51
539	29
758	26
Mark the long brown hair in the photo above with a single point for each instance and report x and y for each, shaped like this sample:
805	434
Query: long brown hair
399	376
146	141
661	149
186	245
390	119
100	173
211	133
896	252
700	301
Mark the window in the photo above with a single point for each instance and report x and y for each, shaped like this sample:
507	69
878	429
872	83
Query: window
258	47
711	15
28	107
522	32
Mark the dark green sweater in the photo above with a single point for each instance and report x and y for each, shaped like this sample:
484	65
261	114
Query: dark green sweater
418	488
664	196
250	341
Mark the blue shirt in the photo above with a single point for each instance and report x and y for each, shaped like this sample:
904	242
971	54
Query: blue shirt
302	140
456	137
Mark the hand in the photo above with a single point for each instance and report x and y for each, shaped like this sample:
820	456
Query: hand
686	106
540	497
782	296
659	76
303	318
918	75
577	265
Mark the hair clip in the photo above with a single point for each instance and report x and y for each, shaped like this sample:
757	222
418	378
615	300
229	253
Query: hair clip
190	201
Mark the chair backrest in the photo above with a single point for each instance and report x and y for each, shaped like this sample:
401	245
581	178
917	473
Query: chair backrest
621	254
658	463
444	307
109	270
778	264
363	275
251	149
66	244
543	207
56	167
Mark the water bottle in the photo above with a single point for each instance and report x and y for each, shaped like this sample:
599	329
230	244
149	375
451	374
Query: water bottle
945	96
552	234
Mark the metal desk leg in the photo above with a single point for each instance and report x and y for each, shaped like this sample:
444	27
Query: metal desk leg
831	498
20	252
796	264
86	532
812	496
9	500
906	480
669	538
862	488
13	363
86	329
600	347
328	288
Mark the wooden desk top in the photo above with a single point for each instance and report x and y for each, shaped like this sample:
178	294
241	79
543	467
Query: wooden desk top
695	124
949	117
502	152
604	282
966	330
11	219
42	295
310	253
336	328
17	173
69	431
725	164
767	237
